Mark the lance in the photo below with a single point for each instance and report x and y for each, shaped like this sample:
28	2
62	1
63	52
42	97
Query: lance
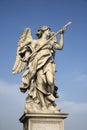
64	27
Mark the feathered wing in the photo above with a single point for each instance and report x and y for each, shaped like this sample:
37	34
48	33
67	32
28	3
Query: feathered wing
24	40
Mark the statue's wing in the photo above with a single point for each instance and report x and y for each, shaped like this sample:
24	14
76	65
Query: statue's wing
24	40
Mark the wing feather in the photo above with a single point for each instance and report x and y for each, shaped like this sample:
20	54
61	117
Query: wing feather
24	40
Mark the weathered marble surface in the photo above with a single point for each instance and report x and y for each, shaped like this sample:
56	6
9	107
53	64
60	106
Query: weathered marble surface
36	57
43	121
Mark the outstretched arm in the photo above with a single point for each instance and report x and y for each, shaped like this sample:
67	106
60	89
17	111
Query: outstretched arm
59	46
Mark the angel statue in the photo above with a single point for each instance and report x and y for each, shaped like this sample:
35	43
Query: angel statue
36	58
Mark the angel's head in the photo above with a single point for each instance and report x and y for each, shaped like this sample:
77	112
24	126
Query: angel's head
42	30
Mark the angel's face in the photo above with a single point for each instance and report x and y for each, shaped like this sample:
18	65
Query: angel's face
47	32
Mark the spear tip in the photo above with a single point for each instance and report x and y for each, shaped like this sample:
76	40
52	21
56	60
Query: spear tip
69	22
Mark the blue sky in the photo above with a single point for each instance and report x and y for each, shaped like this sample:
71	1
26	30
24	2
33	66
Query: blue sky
71	62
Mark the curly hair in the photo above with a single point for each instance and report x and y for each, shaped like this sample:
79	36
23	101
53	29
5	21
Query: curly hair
41	30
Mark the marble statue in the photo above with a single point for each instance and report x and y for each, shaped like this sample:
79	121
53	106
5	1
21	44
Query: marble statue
36	58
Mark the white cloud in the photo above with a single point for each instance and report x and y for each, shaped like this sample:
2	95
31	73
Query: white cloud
77	118
82	77
6	88
74	107
12	105
10	90
79	76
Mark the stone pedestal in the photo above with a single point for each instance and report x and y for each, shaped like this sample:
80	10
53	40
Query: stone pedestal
43	121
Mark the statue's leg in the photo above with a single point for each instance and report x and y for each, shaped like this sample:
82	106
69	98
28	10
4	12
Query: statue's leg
42	101
50	80
49	73
40	88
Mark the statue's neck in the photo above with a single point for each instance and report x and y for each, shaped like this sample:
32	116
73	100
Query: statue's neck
44	37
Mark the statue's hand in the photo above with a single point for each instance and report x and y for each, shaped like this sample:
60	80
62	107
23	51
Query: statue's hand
62	30
24	59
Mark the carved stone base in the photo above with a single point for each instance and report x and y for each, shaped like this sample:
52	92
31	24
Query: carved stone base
43	121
